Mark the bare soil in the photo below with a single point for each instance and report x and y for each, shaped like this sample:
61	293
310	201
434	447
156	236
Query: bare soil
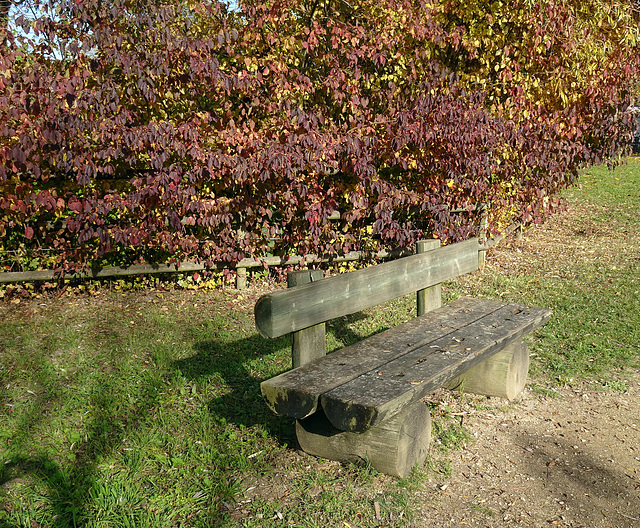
571	460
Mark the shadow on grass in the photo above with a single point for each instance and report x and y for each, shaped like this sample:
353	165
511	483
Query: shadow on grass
114	407
67	484
238	364
241	365
342	329
66	490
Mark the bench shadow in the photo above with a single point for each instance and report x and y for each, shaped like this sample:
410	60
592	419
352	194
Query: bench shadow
342	331
243	403
67	481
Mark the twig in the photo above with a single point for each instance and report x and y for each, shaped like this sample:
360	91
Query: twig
628	516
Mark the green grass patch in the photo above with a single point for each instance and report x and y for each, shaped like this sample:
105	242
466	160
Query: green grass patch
144	408
587	269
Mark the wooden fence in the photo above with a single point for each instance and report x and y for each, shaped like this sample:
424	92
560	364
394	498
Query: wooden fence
240	268
187	267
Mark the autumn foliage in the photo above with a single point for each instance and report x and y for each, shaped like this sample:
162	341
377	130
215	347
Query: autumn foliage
154	130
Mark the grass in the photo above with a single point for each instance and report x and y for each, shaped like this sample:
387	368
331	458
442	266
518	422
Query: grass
143	408
585	265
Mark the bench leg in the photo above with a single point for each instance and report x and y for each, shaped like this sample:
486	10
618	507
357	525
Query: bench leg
310	343
430	298
503	374
393	447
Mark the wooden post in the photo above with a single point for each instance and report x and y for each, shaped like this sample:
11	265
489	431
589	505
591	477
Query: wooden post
482	235
429	298
519	232
310	343
393	447
241	278
503	374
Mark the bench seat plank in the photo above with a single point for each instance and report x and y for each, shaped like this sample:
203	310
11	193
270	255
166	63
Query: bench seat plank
295	393
380	393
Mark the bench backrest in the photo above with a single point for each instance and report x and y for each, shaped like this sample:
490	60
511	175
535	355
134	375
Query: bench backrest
294	309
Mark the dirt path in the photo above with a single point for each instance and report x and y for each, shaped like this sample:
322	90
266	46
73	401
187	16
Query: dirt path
570	461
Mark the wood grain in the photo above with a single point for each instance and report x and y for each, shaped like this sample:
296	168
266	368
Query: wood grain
290	310
309	343
429	298
295	393
502	375
380	393
393	447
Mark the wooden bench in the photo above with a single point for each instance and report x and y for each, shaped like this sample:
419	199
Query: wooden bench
364	402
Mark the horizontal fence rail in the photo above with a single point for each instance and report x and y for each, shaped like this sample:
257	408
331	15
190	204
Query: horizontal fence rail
186	267
240	268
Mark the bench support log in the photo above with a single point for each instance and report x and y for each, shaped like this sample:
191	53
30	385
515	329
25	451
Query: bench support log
392	447
503	375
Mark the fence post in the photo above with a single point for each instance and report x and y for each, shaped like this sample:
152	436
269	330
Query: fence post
241	273
429	298
482	235
519	232
309	343
241	278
